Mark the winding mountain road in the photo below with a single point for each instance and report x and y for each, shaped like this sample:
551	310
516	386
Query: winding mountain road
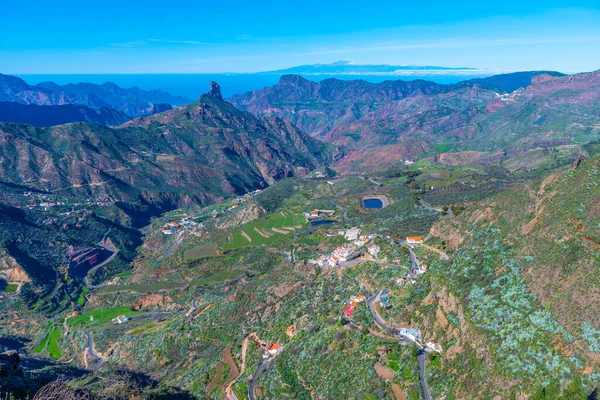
230	394
90	350
266	364
397	333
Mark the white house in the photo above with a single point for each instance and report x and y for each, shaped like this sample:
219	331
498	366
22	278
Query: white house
352	234
121	319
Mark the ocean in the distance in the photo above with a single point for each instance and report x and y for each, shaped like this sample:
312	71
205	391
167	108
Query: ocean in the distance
193	85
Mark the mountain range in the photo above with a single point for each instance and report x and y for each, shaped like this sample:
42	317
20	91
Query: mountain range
193	154
345	67
43	116
196	252
379	125
132	102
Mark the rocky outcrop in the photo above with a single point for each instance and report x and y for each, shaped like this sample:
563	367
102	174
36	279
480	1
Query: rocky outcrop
215	90
153	301
10	270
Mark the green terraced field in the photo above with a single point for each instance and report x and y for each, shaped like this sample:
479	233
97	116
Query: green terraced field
81	298
53	347
266	225
50	343
101	315
202	251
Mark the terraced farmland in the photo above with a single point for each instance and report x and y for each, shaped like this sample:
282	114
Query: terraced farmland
266	231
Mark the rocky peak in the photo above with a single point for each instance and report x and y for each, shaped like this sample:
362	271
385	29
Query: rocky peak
215	90
292	79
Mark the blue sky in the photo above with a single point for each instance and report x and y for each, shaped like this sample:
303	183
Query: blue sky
131	36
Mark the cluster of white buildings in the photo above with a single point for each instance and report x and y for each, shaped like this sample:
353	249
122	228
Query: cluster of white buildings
171	227
341	253
509	97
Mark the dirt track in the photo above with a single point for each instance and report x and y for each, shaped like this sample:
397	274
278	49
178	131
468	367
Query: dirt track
228	394
234	371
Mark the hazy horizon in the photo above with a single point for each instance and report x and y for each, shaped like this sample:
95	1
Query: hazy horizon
148	38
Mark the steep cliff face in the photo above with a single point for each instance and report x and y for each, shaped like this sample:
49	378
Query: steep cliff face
10	270
193	154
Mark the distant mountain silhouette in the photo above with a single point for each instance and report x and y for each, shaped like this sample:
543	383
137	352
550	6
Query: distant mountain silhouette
56	115
133	101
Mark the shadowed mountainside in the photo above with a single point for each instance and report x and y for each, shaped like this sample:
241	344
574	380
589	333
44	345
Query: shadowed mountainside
194	154
44	116
132	101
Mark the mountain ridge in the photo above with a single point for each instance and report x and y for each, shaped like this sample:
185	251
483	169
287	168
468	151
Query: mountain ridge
395	121
44	116
226	149
132	101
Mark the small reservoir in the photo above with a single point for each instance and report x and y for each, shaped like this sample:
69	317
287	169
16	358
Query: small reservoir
375	201
322	222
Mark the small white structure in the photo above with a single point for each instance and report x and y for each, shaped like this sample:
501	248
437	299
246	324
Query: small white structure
121	319
373	250
431	346
412	334
352	234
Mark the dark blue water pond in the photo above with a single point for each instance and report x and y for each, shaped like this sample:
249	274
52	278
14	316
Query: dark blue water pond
373	203
322	222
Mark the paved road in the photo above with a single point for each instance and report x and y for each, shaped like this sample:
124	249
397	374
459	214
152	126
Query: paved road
230	394
414	263
421	358
266	364
90	350
383	325
436	209
176	240
422	355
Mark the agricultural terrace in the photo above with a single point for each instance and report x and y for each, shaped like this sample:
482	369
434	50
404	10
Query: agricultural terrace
266	230
101	315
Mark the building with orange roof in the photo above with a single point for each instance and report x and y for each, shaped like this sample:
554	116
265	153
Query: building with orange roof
274	348
414	239
359	298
